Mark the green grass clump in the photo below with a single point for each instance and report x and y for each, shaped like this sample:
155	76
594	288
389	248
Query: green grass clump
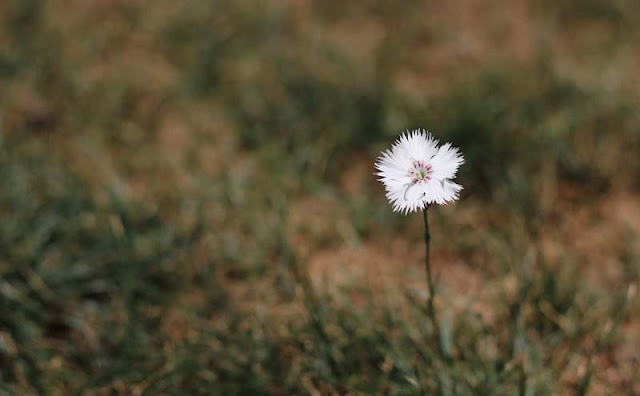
85	279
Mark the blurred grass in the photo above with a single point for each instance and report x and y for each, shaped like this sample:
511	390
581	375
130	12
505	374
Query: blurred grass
173	175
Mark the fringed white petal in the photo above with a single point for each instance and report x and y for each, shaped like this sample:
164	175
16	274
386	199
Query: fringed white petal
409	190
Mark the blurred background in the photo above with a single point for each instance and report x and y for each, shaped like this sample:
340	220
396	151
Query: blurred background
188	205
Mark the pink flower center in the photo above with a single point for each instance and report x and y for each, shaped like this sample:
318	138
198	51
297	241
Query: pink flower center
420	172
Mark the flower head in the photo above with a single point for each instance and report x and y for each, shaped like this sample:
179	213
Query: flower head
416	172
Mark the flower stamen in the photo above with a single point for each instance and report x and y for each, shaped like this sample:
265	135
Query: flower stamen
420	172
406	190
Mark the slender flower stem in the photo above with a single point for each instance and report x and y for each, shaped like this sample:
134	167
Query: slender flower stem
427	239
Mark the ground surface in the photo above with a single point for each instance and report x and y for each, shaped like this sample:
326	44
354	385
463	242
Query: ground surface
189	206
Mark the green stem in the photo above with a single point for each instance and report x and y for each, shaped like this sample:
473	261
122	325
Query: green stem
427	239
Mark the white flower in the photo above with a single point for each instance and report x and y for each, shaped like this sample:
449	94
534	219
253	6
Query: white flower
416	172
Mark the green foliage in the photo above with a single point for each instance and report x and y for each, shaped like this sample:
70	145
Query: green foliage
82	281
